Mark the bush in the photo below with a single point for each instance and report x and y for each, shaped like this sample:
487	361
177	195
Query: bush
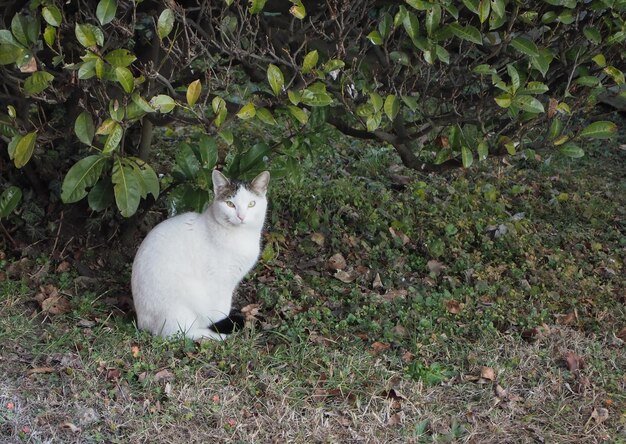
443	82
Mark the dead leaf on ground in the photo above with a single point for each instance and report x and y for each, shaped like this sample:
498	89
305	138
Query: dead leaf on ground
397	234
573	362
390	295
453	306
63	267
435	267
51	302
407	356
250	311
345	276
163	375
566	319
379	347
40	371
500	392
318	238
134	349
600	414
113	374
488	373
70	427
396	419
622	334
378	283
399	330
337	262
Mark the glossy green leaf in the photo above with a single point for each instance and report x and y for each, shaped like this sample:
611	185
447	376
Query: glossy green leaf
536	88
106	127
433	19
472	5
615	74
82	175
145	176
84	128
165	23
529	104
187	162
52	15
484	69
385	25
100	196
556	127
24	149
572	150
602	129
525	46
120	58
514	75
37	82
86	35
411	25
9	200
126	187
265	116
113	139
142	103
469	33
247	111
483	150
592	34
253	157
275	78
504	100
373	121
310	61
299	114
375	38
207	146
105	11
87	70
391	106
19	25
193	92
49	35
125	78
163	103
256	6
9	54
543	61
298	11
466	157
498	7
484	8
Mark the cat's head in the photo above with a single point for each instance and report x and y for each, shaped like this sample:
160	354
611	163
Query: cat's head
240	203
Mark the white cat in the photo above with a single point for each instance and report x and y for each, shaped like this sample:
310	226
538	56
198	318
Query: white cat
188	267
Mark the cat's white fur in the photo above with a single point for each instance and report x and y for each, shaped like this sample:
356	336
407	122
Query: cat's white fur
187	267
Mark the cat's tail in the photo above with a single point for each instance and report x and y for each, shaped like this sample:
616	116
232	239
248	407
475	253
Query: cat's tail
229	324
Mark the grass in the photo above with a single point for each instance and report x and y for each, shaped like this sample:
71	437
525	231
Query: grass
483	306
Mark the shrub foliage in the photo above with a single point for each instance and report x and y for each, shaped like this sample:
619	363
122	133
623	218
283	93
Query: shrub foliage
444	82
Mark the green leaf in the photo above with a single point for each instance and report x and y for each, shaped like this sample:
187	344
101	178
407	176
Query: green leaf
542	63
165	24
9	200
373	121
593	35
52	15
193	92
116	111
49	35
125	78
504	100
600	60
391	107
83	174
37	82
84	128
529	104
86	35
126	188
298	11
187	162
9	54
469	33
265	116
484	69
615	74
310	61
253	157
472	5
19	26
208	151
24	149
87	70
113	139
299	114
6	38
120	58
101	195
142	103
106	127
483	150
375	38
433	18
294	97
442	54
256	6
411	25
247	111
146	177
275	79
385	25
400	57
219	108
105	11
377	101
602	129
484	8
535	88
525	46
514	75
572	150
467	157
556	127
498	7
227	136
163	103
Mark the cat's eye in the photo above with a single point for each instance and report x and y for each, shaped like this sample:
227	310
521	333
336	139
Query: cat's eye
230	204
251	204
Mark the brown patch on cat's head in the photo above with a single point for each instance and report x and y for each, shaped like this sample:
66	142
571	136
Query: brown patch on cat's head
225	188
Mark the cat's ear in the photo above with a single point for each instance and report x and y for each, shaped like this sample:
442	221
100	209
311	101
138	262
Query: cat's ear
219	182
259	184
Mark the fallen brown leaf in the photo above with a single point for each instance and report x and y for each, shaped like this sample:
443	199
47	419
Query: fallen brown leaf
344	276
134	349
63	267
600	414
488	373
573	362
51	302
397	234
163	375
378	283
407	356
453	306
69	426
40	370
500	392
435	267
379	347
31	66
318	238
622	334
337	262
390	295
396	418
566	319
250	311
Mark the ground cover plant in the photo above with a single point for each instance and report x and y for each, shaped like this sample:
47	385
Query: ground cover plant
388	306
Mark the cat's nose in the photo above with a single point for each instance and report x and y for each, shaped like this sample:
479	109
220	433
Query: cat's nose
241	217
